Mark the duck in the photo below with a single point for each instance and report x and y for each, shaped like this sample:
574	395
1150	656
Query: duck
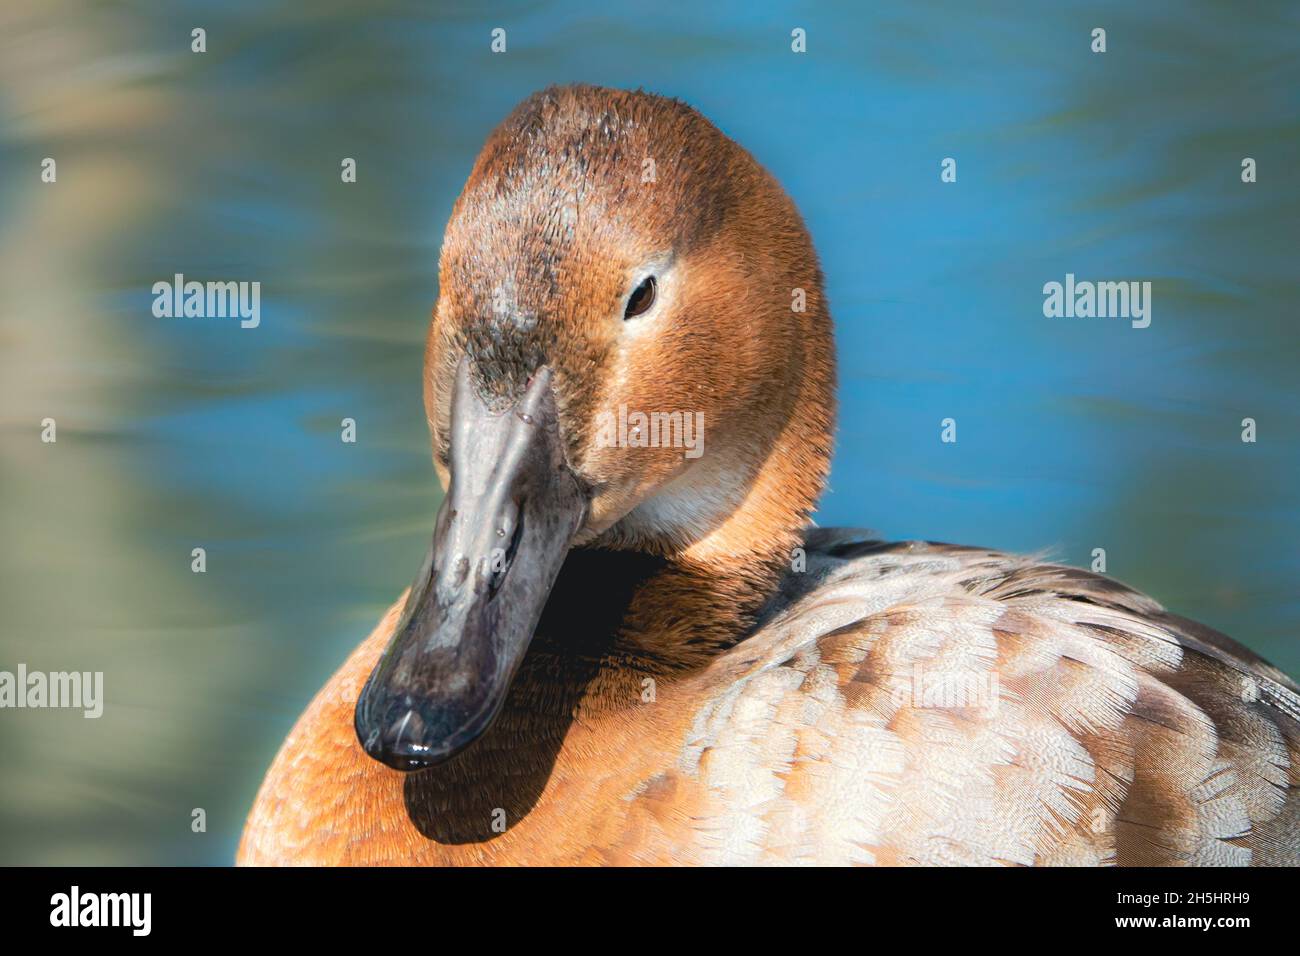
622	651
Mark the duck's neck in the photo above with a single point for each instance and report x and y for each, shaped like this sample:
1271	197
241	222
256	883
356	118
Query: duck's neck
618	624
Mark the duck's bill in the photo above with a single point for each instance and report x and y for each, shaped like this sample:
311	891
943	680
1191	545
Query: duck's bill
511	511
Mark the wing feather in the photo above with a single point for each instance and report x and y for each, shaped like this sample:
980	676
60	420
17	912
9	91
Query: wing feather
930	704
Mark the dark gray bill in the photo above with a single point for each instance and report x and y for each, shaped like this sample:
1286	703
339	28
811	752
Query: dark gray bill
502	533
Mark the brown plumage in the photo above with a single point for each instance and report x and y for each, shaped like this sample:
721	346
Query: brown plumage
711	682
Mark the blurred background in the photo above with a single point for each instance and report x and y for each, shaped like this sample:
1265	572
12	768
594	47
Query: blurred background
173	434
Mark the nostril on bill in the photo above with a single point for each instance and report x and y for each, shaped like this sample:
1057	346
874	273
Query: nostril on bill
509	533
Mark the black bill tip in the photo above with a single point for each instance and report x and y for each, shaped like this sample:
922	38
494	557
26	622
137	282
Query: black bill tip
407	736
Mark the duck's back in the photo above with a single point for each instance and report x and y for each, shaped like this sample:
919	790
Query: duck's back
923	703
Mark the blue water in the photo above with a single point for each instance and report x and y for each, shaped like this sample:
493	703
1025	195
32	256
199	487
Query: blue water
1072	434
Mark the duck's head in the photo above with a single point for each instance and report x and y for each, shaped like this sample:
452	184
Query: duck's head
630	351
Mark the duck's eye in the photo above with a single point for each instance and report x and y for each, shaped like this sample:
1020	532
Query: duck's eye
642	297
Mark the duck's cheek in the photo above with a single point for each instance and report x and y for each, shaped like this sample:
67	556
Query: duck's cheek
625	478
619	487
